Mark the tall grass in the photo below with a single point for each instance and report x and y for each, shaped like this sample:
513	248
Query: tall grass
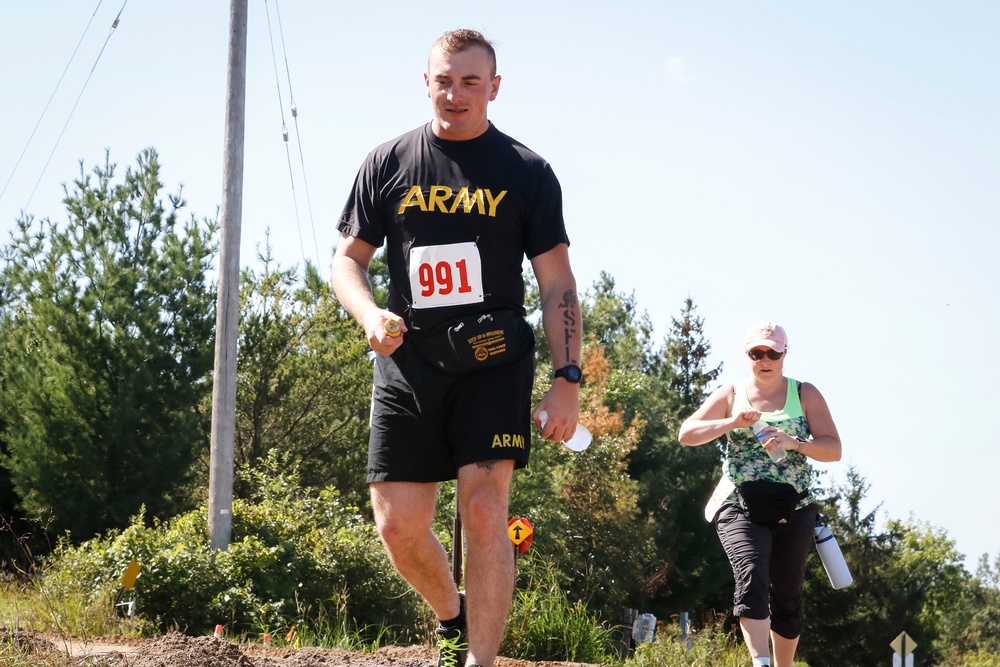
710	647
327	625
28	606
545	625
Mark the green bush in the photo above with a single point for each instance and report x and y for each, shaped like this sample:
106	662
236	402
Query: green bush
977	659
296	557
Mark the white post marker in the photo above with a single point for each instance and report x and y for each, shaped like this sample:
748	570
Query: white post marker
581	437
903	646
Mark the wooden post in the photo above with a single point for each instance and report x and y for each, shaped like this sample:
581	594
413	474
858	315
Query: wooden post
220	481
627	642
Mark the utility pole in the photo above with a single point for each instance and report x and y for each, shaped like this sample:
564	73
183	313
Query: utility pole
220	481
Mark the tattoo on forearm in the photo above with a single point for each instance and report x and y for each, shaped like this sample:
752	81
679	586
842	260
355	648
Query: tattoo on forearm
569	309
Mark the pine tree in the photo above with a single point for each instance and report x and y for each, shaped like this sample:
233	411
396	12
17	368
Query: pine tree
690	572
304	382
106	340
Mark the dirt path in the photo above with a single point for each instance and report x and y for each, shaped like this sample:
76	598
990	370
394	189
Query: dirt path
177	650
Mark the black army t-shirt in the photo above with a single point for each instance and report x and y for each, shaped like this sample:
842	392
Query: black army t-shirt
457	219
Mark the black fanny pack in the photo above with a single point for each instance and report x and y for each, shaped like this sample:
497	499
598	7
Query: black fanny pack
768	503
477	342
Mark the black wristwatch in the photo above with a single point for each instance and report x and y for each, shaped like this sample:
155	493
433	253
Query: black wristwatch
571	373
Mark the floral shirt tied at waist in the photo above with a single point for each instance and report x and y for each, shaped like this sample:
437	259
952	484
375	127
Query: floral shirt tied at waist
745	458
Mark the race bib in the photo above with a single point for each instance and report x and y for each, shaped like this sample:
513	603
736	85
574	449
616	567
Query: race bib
446	275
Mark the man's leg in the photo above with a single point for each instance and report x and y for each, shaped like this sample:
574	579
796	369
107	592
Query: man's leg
483	490
404	512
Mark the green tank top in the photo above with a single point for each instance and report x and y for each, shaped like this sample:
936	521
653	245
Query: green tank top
746	460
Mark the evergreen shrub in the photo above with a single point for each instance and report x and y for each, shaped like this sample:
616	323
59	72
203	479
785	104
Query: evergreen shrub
296	557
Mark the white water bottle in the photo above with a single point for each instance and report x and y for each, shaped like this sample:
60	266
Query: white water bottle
832	558
778	454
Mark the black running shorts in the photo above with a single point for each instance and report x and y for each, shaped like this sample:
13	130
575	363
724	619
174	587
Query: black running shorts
426	424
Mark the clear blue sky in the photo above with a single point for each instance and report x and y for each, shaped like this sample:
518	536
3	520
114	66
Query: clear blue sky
832	166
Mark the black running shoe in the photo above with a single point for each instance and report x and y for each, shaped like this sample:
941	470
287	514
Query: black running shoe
453	643
453	646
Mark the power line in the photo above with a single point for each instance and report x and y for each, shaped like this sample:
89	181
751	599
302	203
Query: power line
298	137
54	91
284	133
111	31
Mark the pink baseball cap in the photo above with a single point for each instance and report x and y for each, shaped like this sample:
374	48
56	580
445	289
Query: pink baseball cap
767	334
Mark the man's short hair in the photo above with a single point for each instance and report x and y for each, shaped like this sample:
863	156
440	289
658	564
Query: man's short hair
456	41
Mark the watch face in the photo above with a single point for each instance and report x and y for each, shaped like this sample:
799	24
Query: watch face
571	373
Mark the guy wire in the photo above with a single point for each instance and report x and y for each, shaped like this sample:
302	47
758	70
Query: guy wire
298	138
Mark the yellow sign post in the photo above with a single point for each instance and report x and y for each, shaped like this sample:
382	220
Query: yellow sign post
520	531
131	574
128	582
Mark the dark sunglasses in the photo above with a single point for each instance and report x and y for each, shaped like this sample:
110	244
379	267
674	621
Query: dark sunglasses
757	355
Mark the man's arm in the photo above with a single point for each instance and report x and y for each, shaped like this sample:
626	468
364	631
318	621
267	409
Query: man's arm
563	325
354	290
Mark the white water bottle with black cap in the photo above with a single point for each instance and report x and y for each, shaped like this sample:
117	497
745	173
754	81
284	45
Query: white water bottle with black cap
778	454
831	556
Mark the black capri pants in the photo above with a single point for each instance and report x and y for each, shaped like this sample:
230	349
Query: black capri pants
769	565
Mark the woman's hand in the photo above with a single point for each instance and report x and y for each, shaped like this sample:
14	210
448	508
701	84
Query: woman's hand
744	419
772	438
713	420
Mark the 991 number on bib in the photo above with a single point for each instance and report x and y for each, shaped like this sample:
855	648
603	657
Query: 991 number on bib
441	278
445	275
